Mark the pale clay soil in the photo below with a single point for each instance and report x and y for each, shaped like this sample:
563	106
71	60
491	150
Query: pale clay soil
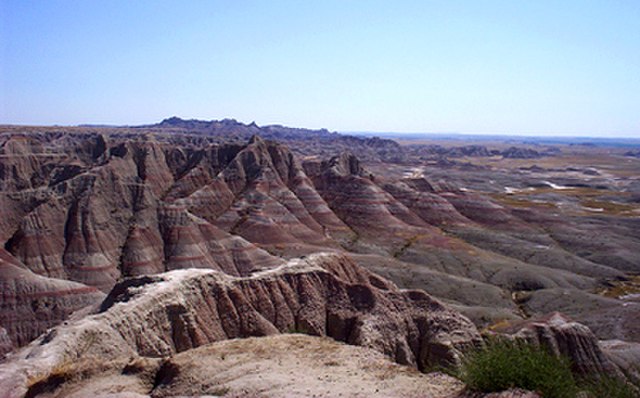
289	365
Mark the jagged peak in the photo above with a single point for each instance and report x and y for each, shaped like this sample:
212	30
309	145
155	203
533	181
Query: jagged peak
256	139
345	164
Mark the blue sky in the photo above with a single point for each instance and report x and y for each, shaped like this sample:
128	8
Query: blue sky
516	67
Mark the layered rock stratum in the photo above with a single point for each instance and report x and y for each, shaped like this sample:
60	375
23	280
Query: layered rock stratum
82	209
94	205
321	295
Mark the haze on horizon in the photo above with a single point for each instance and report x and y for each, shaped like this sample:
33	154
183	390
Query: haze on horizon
510	67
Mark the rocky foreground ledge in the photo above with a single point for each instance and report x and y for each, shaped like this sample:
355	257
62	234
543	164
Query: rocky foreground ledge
143	338
159	316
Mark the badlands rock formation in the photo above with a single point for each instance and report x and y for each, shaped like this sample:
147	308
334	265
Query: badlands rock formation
567	338
95	205
322	295
6	344
32	303
204	217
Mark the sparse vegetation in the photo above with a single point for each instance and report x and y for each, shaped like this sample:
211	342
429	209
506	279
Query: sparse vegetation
521	201
609	387
407	244
295	330
609	207
501	365
619	288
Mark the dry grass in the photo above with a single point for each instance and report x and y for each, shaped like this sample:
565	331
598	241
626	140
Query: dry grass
622	288
610	208
589	198
515	201
498	326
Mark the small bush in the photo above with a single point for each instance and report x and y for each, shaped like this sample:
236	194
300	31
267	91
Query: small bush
609	387
501	365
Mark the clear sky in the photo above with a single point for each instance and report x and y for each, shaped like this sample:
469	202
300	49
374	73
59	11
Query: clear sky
514	66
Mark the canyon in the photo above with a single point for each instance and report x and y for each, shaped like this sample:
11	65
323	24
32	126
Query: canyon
131	251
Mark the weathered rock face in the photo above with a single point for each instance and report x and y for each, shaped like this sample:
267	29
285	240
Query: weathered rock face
625	355
361	203
95	210
564	337
419	196
6	344
323	295
99	209
94	205
275	203
521	153
32	303
284	365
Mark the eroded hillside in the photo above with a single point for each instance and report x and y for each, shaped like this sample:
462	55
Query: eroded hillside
85	207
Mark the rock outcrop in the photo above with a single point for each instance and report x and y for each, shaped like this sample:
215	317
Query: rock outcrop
31	303
625	355
322	295
298	366
521	153
285	365
6	344
96	205
96	210
303	141
562	336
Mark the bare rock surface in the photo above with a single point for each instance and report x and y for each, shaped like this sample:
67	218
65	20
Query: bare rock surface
288	365
562	336
486	230
295	365
285	365
31	303
626	355
6	344
323	295
95	205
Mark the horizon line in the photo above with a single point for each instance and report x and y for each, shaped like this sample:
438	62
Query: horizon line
352	131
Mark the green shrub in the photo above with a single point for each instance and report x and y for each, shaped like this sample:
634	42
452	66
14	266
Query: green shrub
609	387
501	365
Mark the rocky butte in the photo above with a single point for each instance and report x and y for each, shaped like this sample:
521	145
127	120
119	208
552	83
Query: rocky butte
195	258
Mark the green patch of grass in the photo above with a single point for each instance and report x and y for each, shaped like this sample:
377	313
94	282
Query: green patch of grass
296	329
501	365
